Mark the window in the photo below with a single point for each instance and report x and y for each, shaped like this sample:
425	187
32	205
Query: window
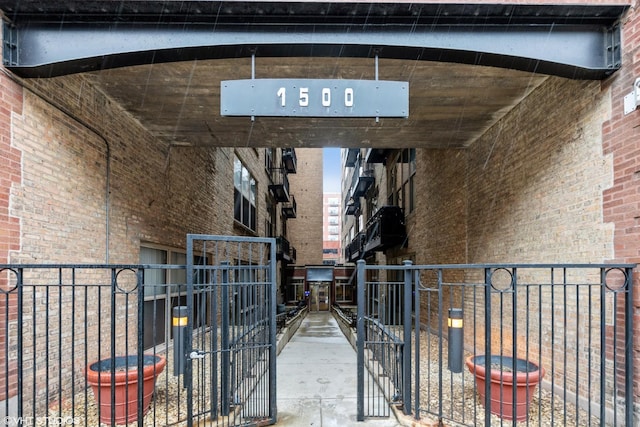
165	289
344	291
270	221
244	195
400	185
333	229
295	290
268	159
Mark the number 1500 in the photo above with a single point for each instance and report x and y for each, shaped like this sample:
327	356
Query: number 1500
325	97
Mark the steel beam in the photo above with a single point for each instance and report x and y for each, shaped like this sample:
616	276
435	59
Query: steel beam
586	46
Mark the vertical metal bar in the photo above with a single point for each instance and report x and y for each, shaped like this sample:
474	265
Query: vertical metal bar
406	365
527	329
552	339
47	315
514	340
589	338
61	310
20	286
112	340
360	268
487	342
224	342
440	348
34	316
614	357
565	345
406	354
73	347
603	342
578	344
214	344
272	331
415	286
140	351
188	333
628	346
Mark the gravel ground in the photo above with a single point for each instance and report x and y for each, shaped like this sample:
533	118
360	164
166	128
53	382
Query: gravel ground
461	402
167	406
459	399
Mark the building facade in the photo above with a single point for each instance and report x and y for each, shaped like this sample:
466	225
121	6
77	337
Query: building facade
331	229
306	230
555	179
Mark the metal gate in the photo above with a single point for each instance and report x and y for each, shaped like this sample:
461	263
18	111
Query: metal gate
565	329
230	348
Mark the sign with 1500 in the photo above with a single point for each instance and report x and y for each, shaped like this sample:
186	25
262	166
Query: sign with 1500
314	98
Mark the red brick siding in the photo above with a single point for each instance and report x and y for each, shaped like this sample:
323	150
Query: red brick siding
10	177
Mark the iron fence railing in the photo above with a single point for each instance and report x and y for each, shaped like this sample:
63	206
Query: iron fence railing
435	333
60	323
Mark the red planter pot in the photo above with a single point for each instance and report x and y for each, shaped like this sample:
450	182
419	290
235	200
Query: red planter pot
518	373
124	370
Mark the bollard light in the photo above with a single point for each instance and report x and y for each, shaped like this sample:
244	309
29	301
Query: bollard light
180	323
455	324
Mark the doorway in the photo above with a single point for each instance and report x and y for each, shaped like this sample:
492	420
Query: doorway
319	296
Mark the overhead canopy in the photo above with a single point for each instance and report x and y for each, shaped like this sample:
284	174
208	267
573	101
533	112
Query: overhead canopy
466	65
319	274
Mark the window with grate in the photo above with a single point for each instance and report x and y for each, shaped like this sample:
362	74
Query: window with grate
244	195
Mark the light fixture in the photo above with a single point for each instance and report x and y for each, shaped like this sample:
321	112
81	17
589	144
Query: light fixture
632	99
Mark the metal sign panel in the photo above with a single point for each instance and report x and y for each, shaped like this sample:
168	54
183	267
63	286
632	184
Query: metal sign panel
314	98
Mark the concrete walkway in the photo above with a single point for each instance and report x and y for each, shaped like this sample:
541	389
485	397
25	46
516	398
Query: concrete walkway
317	378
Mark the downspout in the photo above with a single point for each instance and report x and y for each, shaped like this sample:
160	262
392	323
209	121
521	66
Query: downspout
96	132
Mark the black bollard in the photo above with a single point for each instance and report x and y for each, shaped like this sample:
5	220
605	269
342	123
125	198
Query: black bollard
455	340
180	323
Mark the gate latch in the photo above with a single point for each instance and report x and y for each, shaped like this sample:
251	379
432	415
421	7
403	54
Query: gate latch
197	354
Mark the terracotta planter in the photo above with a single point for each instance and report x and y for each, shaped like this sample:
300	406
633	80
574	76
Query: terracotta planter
126	381
519	373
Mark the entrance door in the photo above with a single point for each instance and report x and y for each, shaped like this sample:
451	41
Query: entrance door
319	296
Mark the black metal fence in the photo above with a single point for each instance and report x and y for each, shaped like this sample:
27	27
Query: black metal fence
543	344
78	344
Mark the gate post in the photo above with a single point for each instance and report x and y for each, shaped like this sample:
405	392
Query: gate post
188	336
224	341
273	353
487	342
406	351
360	337
629	347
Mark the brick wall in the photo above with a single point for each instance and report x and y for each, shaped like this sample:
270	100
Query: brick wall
437	227
535	180
305	231
621	204
87	184
530	190
537	184
10	175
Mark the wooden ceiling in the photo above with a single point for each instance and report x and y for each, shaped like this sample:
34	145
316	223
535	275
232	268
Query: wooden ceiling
450	104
